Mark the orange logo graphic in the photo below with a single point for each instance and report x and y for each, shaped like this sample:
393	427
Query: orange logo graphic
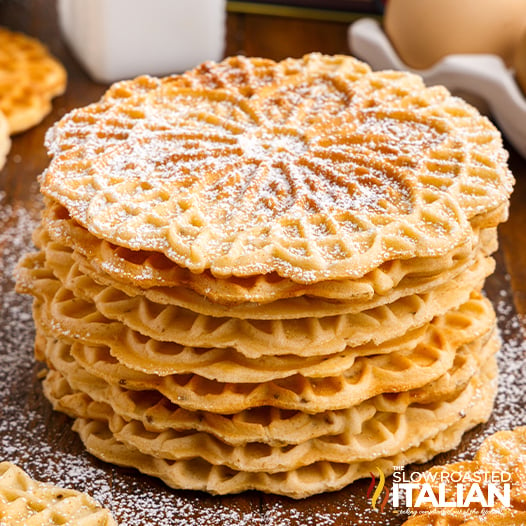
378	490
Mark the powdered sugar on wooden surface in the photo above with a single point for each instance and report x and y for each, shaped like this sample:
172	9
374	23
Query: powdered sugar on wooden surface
41	442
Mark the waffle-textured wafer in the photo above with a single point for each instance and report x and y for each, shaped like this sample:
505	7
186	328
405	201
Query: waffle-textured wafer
67	317
29	78
5	141
265	424
145	270
314	478
309	336
290	308
324	174
26	502
311	395
503	455
153	269
384	434
59	258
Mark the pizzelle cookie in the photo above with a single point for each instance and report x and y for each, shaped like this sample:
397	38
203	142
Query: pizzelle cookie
27	502
413	378
300	483
29	78
254	338
64	315
391	427
268	275
503	455
152	269
250	184
82	395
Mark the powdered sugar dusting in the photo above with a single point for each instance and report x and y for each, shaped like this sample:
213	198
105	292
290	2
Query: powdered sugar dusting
16	225
511	396
22	420
230	169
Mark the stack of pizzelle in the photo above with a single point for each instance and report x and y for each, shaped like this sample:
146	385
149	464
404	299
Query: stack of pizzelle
262	275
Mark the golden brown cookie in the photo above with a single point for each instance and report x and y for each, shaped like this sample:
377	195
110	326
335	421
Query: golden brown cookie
27	502
503	457
321	171
5	141
29	78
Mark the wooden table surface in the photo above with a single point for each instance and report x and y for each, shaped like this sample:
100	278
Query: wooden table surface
41	441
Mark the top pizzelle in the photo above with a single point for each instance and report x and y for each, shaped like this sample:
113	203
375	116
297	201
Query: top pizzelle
314	169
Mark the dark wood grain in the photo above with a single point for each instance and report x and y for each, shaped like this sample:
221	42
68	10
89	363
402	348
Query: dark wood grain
513	235
279	38
44	434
